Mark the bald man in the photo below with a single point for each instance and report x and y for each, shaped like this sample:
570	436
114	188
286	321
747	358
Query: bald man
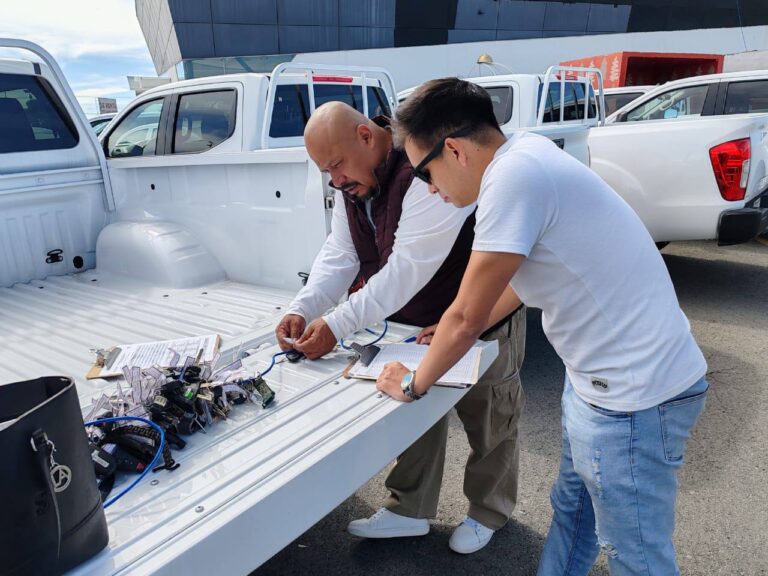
400	254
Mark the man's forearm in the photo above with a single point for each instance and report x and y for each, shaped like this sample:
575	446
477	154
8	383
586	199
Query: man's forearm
329	278
454	337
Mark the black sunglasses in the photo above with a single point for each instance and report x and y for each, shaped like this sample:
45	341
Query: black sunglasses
420	171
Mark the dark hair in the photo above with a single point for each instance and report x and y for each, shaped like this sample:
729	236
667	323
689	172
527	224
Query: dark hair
439	107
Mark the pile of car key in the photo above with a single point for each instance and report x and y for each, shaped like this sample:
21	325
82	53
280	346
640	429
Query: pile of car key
181	400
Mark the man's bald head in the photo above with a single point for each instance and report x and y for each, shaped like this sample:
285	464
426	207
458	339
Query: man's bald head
332	122
347	145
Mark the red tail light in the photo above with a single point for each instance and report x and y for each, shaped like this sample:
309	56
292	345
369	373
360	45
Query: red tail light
730	161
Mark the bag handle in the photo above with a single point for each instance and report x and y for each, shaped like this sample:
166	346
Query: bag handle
43	448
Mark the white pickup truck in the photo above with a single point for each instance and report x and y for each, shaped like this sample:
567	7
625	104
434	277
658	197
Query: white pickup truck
194	215
690	157
565	116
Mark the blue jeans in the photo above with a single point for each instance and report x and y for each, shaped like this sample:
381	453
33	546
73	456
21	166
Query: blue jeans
617	486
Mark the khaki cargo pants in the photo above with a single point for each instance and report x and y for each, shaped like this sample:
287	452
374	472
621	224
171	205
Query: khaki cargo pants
490	412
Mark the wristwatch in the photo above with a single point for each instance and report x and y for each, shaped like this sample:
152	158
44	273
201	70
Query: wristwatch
406	385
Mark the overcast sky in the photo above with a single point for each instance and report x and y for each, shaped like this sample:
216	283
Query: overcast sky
96	42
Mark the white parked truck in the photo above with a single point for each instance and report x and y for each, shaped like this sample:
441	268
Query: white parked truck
194	215
565	116
690	157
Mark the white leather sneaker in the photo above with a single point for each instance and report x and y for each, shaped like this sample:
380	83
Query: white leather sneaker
470	536
386	524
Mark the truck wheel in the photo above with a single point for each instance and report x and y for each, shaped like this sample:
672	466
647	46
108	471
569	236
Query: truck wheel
661	245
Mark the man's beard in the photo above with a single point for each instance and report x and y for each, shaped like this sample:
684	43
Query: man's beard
367	195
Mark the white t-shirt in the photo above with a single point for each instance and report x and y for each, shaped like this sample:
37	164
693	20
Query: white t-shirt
608	305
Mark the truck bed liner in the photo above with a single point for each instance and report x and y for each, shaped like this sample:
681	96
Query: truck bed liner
50	326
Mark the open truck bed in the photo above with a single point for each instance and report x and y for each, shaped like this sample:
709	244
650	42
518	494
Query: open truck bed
254	482
215	226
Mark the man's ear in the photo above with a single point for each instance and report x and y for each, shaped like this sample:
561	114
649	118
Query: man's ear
365	134
458	149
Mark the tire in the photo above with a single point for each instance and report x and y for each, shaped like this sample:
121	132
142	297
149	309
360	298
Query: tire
661	245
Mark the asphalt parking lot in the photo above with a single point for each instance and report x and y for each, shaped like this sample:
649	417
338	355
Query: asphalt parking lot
722	511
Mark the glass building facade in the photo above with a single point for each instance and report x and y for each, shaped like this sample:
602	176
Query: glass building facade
215	36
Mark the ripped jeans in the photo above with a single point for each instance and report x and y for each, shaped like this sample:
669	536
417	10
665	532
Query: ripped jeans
617	486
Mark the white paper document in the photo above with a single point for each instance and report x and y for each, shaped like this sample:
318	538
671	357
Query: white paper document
165	353
464	373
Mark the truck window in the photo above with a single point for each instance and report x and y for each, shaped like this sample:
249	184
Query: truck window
615	101
347	93
571	110
592	103
688	101
578	88
574	105
203	120
290	112
747	97
552	105
377	103
32	117
136	134
291	108
501	98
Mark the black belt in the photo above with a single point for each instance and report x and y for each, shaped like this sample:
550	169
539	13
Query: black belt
500	323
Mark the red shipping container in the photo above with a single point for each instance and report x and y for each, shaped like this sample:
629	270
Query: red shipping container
649	68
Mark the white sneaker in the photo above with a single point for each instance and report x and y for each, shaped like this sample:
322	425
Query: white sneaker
386	524
470	536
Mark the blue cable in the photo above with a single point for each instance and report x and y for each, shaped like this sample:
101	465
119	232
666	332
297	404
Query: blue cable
152	464
380	336
272	363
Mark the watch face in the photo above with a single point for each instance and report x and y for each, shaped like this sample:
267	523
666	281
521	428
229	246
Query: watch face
406	382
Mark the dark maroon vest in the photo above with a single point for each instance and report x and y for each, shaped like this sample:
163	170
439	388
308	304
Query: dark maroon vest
374	247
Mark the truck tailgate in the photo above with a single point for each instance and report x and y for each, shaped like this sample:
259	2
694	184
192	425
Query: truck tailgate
572	138
254	482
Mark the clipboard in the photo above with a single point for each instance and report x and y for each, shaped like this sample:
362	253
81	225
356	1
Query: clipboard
464	373
166	353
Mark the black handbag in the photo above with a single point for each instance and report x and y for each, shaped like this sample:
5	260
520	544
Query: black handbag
51	516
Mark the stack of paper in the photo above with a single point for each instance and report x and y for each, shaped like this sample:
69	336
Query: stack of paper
167	353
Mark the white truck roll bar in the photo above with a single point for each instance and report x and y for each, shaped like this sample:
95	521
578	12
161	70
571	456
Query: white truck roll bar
309	70
583	75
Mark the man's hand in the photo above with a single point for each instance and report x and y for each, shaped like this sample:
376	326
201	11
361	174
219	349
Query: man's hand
317	340
390	379
291	326
426	334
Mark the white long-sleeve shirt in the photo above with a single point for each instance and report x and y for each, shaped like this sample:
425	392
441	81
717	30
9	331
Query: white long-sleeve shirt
426	232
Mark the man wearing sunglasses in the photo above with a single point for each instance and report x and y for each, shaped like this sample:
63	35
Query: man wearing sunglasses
403	251
551	231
